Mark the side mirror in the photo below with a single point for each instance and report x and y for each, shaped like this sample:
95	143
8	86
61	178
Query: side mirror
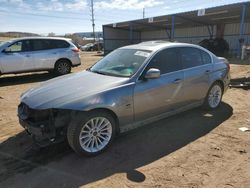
152	73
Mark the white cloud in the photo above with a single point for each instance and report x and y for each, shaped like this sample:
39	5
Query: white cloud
15	1
24	6
56	5
49	6
127	4
20	4
77	5
11	1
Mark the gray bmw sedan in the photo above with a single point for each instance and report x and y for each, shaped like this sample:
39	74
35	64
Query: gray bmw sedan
130	87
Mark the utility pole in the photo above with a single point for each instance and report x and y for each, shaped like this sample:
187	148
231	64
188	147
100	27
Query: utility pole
92	17
143	13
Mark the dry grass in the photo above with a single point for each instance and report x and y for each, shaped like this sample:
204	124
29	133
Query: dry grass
5	38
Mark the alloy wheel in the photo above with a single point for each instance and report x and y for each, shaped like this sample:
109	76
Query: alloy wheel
63	68
95	134
214	97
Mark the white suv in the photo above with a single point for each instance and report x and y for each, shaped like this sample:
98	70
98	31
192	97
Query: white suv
38	54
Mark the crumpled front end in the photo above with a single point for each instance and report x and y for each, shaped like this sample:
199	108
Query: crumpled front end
45	126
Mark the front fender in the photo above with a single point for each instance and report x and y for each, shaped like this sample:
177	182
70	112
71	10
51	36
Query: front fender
118	99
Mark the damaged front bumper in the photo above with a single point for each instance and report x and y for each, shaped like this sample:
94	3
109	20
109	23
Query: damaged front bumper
45	126
36	129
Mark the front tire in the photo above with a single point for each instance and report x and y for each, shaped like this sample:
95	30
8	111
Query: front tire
91	133
214	96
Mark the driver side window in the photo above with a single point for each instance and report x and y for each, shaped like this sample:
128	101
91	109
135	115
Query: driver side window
16	47
166	61
20	46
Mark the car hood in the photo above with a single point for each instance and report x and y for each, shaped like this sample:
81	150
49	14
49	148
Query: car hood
63	90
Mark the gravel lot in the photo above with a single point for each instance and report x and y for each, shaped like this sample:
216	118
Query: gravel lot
192	149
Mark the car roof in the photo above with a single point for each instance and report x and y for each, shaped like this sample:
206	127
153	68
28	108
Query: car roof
158	44
53	38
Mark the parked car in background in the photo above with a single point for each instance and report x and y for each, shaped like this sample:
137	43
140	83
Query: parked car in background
85	47
75	43
98	46
130	87
38	54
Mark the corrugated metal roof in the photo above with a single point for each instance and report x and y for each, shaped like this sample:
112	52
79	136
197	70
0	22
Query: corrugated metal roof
194	5
221	14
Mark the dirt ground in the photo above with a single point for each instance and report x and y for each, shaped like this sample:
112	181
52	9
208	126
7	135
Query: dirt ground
192	149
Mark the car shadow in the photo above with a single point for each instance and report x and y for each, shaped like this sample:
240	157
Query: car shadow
25	78
134	149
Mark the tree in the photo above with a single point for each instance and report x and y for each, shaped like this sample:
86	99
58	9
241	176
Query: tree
51	34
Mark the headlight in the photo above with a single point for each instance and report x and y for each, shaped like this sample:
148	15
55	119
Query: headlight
27	113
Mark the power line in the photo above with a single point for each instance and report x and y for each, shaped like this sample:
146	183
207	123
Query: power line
42	15
134	13
18	14
101	17
118	15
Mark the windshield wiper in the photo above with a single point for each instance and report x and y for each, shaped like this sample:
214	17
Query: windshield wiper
106	73
98	72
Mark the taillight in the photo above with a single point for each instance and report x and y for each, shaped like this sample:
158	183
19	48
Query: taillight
75	50
228	66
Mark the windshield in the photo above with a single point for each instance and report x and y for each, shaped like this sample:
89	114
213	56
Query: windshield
3	43
121	62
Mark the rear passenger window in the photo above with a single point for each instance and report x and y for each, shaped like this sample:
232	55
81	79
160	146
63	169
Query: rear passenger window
190	57
205	57
39	44
166	61
46	44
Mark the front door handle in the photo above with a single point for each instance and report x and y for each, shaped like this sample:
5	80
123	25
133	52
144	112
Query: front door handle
27	55
177	81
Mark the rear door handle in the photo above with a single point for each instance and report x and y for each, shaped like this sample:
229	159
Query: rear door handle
176	81
27	55
207	71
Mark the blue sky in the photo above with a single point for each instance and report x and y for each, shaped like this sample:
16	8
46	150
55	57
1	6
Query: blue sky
69	16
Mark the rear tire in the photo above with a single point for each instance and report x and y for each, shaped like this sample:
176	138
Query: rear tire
62	67
214	96
90	134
